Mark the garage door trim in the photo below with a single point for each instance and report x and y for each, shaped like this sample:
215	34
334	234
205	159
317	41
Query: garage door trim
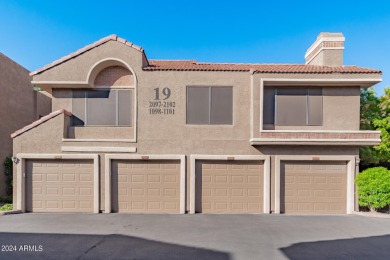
21	175
110	157
267	174
351	161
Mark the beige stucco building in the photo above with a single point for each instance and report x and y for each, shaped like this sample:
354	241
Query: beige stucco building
19	105
129	134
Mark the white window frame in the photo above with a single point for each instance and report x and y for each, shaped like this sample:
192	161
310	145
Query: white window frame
209	121
117	89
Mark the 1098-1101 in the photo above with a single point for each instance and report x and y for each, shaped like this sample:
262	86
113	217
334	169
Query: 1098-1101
160	111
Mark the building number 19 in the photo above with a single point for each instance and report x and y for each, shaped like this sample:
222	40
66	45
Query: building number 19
166	92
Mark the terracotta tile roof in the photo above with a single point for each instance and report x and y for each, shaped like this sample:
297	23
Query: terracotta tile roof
112	37
191	65
40	121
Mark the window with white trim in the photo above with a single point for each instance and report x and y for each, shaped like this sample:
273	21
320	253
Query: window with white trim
210	105
293	106
102	107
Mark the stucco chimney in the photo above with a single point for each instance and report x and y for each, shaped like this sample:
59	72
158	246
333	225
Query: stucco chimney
327	50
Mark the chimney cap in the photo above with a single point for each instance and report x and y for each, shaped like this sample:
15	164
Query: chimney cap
325	37
330	34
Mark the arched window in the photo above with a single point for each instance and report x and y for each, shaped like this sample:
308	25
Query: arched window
114	76
108	103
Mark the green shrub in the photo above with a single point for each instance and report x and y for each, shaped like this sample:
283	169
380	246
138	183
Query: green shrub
6	207
374	188
8	175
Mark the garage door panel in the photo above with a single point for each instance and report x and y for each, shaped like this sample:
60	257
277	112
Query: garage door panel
171	192
313	187
52	165
52	177
37	204
319	179
254	193
154	192
254	207
237	192
68	191
229	186
237	179
336	194
134	192
69	177
85	204
153	178
146	186
134	178
52	204
170	205
255	179
335	206
37	177
52	191
320	193
37	190
206	192
87	177
321	206
154	205
85	192
55	186
69	204
171	178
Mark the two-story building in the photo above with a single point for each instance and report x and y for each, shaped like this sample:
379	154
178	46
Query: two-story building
129	134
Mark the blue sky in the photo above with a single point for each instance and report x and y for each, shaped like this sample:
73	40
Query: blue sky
35	33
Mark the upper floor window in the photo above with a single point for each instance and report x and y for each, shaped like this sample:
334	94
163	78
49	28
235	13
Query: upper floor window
292	106
210	105
102	107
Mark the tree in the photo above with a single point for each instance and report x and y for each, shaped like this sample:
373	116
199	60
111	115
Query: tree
383	124
369	110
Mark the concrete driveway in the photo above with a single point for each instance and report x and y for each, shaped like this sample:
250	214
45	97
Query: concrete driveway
122	236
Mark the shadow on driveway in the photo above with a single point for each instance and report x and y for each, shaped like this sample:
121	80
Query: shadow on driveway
69	246
376	247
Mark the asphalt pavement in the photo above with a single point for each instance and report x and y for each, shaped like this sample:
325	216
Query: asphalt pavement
125	236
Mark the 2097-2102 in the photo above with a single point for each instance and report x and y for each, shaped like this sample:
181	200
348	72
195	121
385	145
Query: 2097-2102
162	107
163	104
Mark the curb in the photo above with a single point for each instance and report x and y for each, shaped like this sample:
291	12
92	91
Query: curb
372	214
10	212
